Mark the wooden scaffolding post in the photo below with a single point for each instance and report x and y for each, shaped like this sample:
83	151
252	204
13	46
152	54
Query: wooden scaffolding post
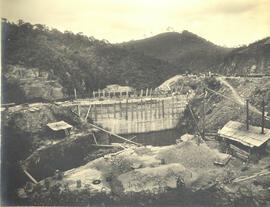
95	109
75	93
145	110
101	110
79	109
203	115
127	109
172	106
85	119
131	111
120	106
141	109
159	109
247	117
151	109
263	104
196	124
146	92
114	111
137	111
163	112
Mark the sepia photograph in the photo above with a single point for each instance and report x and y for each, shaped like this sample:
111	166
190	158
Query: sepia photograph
135	103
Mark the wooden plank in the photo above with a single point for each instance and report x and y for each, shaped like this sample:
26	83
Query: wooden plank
241	156
130	139
95	139
223	162
8	104
103	145
79	110
89	108
75	93
237	149
241	179
30	176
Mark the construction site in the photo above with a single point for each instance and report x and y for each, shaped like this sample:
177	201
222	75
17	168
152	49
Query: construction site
192	141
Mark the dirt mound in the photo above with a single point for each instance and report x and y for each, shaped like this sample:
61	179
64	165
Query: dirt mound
190	155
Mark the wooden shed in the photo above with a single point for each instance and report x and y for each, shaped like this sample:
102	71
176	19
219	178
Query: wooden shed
59	129
244	142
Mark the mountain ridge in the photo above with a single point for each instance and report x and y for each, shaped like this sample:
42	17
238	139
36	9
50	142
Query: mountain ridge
185	50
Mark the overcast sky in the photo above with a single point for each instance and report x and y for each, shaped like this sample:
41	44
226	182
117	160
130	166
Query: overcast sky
224	22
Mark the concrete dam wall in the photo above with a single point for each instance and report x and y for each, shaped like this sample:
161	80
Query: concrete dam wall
135	115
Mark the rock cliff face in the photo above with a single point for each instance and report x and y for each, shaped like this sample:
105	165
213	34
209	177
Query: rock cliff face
33	84
252	59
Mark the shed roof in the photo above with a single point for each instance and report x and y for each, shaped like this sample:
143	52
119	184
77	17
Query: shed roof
237	131
61	125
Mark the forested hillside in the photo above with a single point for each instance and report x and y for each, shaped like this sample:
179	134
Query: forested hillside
42	64
185	50
78	61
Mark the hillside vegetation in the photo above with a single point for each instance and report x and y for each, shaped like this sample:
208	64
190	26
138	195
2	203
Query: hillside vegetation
78	61
42	64
251	59
187	51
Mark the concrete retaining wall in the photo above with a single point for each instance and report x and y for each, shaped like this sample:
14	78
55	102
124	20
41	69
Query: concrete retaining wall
130	116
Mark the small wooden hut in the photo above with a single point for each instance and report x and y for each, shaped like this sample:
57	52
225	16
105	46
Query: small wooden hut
59	129
242	142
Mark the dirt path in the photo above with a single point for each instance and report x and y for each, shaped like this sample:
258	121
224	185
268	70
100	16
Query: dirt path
237	98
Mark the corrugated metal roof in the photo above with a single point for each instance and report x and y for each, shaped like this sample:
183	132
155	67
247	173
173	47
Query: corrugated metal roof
237	131
61	125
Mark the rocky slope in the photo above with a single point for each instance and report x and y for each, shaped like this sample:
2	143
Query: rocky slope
30	85
251	59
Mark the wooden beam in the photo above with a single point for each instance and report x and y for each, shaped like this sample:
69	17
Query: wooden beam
95	139
196	124
247	118
127	109
90	106
75	93
30	176
116	135
131	139
103	145
241	179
